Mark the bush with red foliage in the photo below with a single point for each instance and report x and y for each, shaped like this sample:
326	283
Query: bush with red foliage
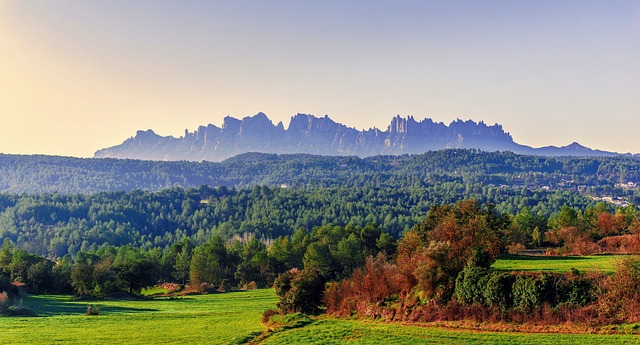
619	299
623	244
610	224
428	260
371	288
435	251
572	241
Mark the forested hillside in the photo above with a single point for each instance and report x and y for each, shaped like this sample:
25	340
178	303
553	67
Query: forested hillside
476	169
52	206
55	224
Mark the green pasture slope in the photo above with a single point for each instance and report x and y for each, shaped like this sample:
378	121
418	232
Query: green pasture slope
603	263
234	318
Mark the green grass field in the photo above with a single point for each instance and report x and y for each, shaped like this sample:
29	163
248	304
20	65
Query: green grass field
234	317
332	331
206	319
603	263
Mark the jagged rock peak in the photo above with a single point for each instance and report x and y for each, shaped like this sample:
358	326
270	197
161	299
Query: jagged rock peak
230	123
142	135
323	136
148	132
306	122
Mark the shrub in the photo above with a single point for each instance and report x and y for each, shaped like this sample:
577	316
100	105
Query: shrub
529	291
619	244
282	284
435	272
93	309
577	289
481	286
448	239
515	248
498	290
470	285
4	302
304	293
620	294
378	283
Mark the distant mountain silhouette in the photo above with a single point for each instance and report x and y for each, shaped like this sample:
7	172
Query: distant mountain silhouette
323	136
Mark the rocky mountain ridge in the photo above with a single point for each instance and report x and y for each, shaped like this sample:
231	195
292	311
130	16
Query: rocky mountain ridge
323	136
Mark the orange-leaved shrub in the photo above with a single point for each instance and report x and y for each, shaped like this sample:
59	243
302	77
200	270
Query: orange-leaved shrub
369	290
619	295
4	302
622	244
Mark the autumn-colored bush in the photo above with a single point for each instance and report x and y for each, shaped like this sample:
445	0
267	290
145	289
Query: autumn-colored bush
433	253
427	263
4	302
623	244
515	248
610	224
376	284
619	295
572	241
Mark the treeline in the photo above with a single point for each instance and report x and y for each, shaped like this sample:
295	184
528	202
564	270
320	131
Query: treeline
598	176
216	264
53	225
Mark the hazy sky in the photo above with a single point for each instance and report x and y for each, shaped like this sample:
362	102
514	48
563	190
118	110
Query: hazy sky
77	76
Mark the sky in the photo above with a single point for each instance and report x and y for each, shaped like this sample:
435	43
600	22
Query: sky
78	76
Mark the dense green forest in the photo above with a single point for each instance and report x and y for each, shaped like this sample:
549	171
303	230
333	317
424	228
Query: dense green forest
594	176
53	225
52	206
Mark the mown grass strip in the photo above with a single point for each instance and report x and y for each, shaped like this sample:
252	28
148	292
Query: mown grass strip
339	331
559	264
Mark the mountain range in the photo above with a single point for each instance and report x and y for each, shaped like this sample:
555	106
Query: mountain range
323	136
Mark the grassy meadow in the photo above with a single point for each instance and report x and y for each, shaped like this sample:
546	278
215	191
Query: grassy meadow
335	331
559	264
234	317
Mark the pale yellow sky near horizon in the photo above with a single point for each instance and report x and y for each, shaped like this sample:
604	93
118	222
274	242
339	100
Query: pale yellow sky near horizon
81	77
